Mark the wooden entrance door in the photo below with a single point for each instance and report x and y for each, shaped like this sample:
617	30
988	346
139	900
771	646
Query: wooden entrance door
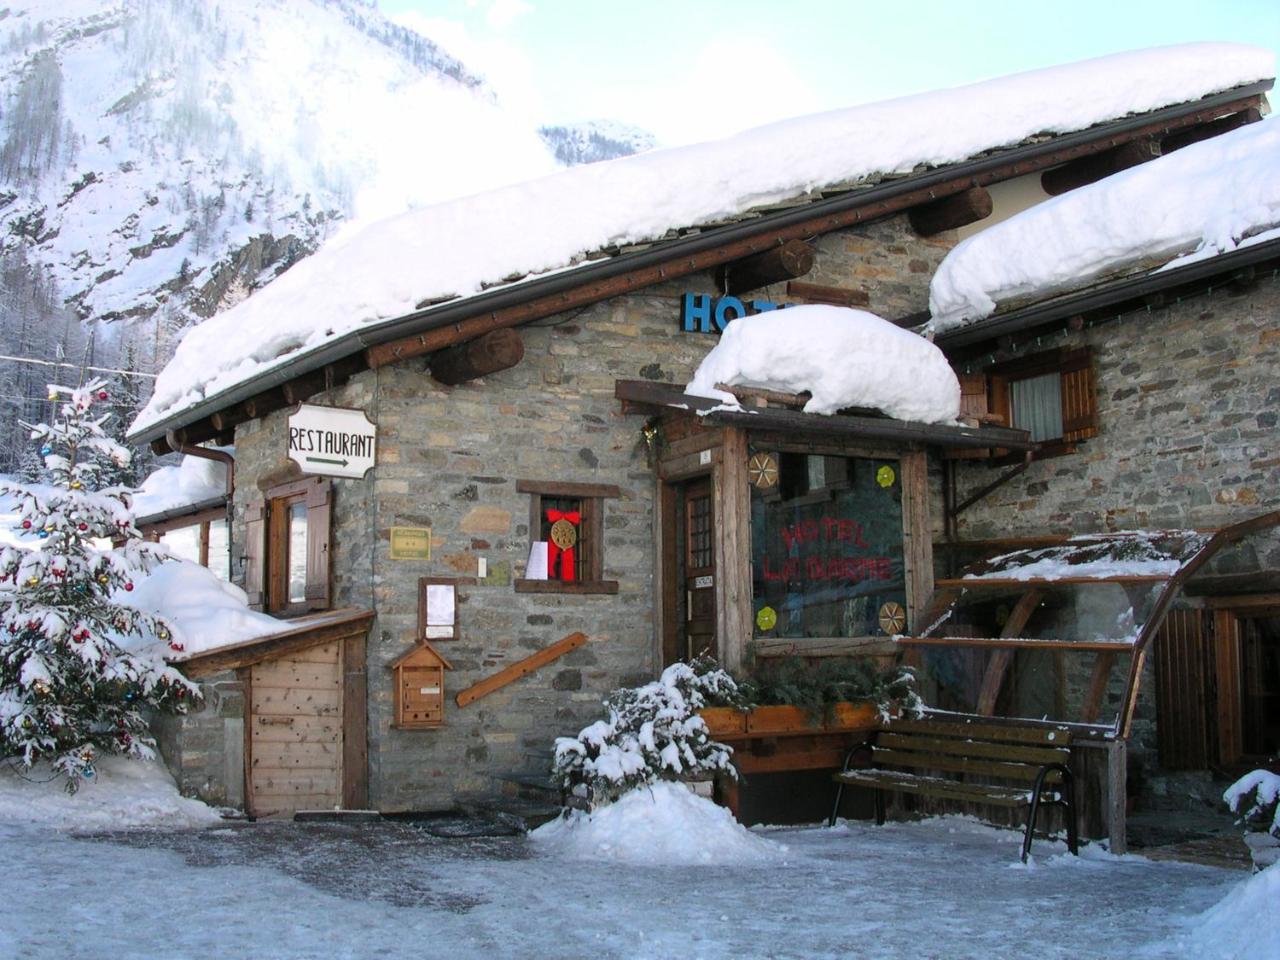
699	570
295	733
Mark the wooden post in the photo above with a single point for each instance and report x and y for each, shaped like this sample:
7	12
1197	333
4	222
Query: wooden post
958	210
496	350
788	260
355	724
732	492
1226	661
917	537
1117	796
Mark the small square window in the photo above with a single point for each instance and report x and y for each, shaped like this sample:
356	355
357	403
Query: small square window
566	534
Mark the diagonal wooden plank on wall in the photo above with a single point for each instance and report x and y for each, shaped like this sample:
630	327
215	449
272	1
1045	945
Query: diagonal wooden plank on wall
520	669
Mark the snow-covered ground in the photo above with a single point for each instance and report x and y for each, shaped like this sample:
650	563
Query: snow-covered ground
940	888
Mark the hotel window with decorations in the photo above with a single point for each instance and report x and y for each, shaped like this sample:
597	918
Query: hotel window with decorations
1050	395
287	547
566	537
826	546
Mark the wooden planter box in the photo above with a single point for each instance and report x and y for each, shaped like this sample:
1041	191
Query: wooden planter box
780	721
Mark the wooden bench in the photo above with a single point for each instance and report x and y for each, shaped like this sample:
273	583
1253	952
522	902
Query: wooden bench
974	761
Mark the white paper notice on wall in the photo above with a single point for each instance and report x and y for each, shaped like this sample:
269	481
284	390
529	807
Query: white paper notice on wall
537	566
441	598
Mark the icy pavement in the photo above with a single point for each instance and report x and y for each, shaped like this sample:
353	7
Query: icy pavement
942	888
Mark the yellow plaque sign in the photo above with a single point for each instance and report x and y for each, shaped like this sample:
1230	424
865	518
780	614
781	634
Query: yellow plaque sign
410	543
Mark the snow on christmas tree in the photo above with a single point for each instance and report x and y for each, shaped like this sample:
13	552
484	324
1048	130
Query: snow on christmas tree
71	688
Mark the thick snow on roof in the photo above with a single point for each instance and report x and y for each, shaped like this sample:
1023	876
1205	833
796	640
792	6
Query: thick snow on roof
1209	196
843	357
192	481
455	248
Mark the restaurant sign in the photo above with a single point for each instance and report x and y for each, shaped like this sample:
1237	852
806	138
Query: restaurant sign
332	441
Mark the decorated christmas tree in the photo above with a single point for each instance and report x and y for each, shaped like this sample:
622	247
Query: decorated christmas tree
78	668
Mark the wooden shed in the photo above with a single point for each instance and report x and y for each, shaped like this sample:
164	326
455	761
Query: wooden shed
305	729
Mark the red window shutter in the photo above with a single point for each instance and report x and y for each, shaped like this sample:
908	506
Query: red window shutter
255	553
319	504
1079	396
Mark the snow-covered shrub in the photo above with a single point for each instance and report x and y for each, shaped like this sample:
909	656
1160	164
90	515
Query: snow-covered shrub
651	733
1256	798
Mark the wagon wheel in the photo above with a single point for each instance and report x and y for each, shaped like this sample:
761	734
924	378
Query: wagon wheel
893	619
762	469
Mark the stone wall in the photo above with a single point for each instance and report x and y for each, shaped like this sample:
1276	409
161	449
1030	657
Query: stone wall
204	749
1188	398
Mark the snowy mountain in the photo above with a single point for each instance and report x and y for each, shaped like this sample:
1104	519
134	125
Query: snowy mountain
595	140
155	149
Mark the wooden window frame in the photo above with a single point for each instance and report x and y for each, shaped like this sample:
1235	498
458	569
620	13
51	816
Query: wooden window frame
1078	391
267	551
203	519
591	497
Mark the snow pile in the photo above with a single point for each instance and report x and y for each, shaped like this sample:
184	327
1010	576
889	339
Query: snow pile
194	480
205	613
125	793
458	247
659	825
843	357
1209	195
1246	924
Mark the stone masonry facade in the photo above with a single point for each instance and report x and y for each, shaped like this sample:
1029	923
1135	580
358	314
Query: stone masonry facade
449	459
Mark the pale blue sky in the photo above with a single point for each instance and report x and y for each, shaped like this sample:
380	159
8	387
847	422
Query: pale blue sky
693	69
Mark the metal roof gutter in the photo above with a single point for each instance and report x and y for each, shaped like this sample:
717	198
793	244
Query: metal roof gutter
1098	298
453	311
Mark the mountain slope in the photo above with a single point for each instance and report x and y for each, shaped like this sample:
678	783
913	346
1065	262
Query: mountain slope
151	144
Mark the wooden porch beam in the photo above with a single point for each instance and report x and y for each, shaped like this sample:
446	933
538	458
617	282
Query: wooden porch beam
958	210
494	351
790	259
998	665
1087	170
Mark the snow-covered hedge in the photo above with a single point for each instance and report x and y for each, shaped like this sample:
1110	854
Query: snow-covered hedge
651	733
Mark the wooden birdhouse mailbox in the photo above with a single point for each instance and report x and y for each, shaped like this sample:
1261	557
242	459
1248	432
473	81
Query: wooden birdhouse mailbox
419	688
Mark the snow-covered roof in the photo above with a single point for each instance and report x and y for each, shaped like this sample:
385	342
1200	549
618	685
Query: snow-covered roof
1205	199
1134	553
362	279
196	480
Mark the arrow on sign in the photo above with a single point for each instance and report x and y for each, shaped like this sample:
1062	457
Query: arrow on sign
340	463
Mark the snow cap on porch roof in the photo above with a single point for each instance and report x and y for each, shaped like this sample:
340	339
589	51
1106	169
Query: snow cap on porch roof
1202	201
367	279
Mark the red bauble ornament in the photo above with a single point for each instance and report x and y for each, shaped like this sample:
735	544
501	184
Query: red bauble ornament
128	586
102	394
84	526
26	524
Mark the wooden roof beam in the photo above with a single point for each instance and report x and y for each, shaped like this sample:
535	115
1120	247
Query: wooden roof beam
836	296
1214	128
958	210
1088	170
494	351
788	260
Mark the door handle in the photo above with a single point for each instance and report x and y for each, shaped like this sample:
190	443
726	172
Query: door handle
275	720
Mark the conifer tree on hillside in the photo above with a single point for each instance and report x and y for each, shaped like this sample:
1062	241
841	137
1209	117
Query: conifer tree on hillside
77	668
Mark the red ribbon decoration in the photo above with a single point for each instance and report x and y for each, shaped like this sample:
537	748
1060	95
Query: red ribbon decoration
554	553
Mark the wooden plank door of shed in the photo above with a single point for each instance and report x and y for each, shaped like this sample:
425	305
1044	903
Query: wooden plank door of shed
295	733
698	515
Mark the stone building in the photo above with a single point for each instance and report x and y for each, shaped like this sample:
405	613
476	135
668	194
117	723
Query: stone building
547	517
